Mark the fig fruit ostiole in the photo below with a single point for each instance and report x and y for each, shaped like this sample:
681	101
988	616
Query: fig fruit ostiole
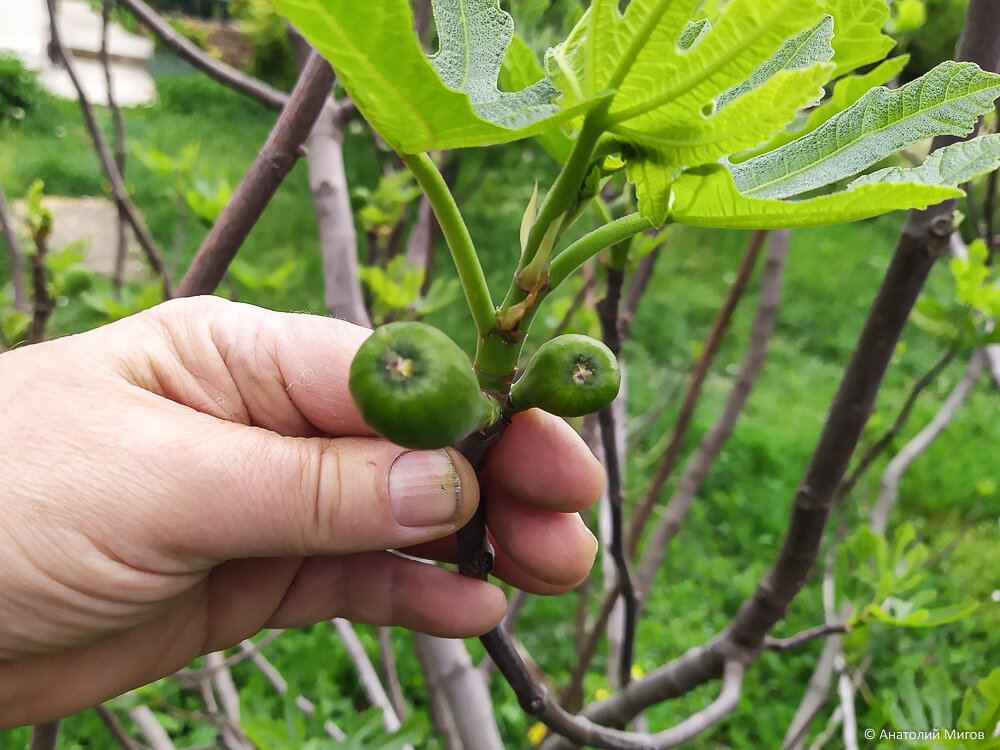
569	376
414	386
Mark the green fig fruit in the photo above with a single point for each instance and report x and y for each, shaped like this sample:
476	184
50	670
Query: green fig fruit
570	375
414	386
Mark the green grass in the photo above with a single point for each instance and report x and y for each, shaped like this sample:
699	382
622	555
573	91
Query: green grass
739	518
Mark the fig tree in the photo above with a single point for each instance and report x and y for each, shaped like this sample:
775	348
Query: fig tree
414	386
570	375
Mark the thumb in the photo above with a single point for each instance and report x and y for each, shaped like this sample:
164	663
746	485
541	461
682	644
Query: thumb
238	491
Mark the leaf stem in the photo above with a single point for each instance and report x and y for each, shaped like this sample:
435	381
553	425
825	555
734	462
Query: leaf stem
456	233
561	195
590	244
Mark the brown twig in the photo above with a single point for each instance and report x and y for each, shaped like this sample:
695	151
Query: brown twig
118	123
275	160
575	304
267	95
711	444
889	485
45	736
640	280
42	304
117	729
806	636
15	252
609	313
572	693
474	552
683	421
989	215
118	188
879	446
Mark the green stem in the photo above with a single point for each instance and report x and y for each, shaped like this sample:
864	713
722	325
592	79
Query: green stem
463	251
591	244
565	189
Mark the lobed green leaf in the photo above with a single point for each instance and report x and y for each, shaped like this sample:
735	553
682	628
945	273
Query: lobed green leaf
707	196
381	64
948	99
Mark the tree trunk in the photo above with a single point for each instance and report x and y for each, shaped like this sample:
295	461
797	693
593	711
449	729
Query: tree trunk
331	202
447	667
337	236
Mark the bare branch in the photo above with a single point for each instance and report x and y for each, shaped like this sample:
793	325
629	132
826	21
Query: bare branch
711	445
15	253
880	445
366	672
449	671
117	730
889	489
609	313
251	651
515	605
640	280
151	728
228	76
806	636
45	736
387	661
118	123
118	188
581	731
572	694
574	306
188	674
328	188
225	688
437	699
698	374
41	301
275	160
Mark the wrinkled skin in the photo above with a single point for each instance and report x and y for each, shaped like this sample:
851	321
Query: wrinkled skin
181	479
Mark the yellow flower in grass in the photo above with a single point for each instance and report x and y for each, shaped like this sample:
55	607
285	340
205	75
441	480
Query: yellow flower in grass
537	733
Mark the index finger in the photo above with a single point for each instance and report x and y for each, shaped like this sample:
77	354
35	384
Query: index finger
541	460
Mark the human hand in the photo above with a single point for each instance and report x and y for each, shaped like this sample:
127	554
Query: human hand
178	480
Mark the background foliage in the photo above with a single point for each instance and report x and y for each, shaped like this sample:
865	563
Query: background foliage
950	496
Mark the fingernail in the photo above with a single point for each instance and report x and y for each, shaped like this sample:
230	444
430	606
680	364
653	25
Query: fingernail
424	488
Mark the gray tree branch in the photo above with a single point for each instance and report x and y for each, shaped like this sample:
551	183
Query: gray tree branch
252	651
889	486
118	123
275	160
449	670
683	421
267	95
712	443
118	188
